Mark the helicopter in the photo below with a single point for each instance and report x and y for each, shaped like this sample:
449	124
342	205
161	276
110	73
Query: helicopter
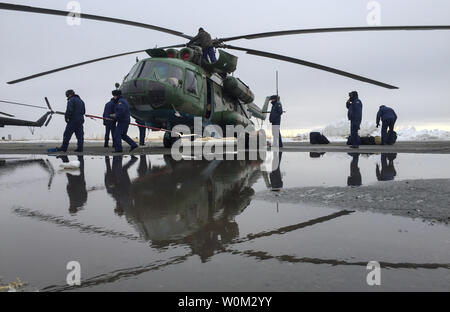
174	86
42	121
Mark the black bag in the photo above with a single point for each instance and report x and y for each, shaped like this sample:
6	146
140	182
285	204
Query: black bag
316	155
368	140
317	138
392	138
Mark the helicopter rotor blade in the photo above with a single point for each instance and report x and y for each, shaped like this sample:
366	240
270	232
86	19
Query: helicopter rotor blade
83	63
6	114
48	120
21	104
310	64
332	30
30	9
48	104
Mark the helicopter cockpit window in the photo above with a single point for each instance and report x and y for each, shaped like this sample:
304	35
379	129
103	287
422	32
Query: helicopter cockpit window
132	72
176	76
145	69
191	83
160	71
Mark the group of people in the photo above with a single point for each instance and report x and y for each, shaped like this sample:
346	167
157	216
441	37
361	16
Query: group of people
116	119
386	114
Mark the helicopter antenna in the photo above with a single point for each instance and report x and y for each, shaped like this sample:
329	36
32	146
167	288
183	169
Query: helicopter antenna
276	78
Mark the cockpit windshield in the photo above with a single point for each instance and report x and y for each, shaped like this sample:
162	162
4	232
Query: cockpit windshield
158	71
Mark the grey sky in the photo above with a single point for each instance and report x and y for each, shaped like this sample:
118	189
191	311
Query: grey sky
416	61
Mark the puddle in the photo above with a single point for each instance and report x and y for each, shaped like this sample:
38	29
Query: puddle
150	223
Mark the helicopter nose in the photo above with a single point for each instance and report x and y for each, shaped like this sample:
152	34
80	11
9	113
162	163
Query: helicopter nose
143	94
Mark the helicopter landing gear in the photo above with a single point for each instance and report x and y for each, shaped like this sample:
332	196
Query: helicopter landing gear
169	139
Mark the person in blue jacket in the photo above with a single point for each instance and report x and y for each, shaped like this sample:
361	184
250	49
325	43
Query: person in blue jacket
354	114
275	120
122	116
110	125
74	117
388	117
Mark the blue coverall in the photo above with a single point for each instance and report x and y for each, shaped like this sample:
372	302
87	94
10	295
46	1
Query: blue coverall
354	114
122	115
141	132
388	117
209	52
75	119
275	120
110	125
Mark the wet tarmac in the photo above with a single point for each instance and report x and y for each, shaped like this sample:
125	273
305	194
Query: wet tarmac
150	223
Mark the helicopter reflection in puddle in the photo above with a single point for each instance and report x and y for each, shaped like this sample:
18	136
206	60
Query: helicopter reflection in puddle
183	202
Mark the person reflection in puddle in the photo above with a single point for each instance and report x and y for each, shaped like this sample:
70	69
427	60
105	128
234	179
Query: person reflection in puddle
355	175
276	180
387	172
76	187
143	167
118	183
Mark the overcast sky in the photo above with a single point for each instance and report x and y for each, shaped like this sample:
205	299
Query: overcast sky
416	61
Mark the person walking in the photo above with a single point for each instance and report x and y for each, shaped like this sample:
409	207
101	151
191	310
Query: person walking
74	117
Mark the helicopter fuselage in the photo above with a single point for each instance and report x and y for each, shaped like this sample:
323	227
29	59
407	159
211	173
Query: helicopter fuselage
165	92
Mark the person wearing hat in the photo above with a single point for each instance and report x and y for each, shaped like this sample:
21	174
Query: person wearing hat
275	120
110	125
203	40
354	114
74	117
122	116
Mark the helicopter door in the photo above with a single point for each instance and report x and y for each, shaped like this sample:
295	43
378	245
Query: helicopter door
209	99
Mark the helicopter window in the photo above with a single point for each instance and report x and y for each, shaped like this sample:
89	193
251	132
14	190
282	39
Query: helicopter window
161	71
176	76
132	72
191	83
145	70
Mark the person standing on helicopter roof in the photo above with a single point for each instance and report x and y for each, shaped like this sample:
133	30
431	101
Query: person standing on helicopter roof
275	120
203	40
122	116
74	117
110	125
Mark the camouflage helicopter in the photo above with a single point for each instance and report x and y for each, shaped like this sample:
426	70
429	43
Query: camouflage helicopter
173	86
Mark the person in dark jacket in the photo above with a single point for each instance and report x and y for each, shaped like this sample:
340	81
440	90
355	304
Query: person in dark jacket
276	180
355	174
203	40
122	116
110	125
142	131
354	114
76	187
275	120
388	117
387	172
74	117
122	184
